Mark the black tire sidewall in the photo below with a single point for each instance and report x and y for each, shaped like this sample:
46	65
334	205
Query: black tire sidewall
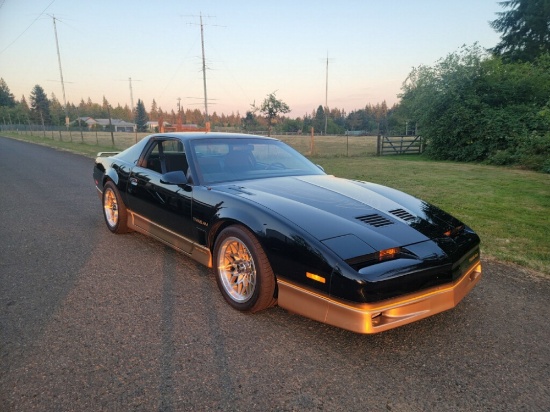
120	226
237	232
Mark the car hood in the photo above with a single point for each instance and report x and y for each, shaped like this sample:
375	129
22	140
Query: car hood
351	217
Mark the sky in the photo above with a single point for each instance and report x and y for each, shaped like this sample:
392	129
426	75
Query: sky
252	48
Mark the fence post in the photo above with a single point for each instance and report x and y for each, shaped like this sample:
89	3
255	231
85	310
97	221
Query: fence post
312	142
378	145
111	125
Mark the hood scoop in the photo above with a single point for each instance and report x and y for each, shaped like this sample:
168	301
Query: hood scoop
402	214
375	220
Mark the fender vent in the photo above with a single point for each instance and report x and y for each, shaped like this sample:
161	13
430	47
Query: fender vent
375	220
402	214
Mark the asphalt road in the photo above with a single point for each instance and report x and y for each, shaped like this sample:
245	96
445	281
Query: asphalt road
91	321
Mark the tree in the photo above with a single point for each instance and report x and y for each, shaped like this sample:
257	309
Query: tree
525	29
471	107
319	119
105	108
56	110
141	117
6	97
24	109
154	113
123	113
249	122
40	106
271	107
292	125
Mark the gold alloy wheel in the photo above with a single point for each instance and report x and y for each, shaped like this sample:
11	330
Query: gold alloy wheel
110	207
237	270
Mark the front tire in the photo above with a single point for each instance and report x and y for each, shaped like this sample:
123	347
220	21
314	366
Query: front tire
114	210
243	273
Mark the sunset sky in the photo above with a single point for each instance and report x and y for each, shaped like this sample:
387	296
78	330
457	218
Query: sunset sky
252	48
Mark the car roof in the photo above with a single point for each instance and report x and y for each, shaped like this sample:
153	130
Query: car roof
208	135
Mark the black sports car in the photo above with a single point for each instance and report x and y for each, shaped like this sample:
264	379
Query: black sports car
278	230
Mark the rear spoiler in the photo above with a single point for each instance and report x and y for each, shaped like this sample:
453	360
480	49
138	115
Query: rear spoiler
107	154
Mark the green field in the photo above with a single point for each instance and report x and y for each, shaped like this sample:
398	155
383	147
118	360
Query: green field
509	208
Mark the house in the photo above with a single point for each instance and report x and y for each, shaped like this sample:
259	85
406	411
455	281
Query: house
153	126
103	124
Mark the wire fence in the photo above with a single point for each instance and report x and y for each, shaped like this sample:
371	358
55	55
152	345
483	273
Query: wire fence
116	140
331	145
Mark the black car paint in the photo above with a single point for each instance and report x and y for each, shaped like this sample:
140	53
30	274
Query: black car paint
306	224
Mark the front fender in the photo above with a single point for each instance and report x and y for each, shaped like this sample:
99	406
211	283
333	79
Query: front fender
292	252
111	174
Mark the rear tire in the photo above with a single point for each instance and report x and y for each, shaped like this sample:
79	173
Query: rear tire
243	273
114	210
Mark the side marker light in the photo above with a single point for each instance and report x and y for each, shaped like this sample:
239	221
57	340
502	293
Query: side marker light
315	277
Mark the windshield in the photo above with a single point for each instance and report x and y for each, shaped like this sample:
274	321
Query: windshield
226	160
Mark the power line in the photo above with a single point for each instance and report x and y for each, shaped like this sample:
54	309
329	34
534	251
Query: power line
24	31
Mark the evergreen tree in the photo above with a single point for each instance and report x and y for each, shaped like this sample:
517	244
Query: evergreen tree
105	107
56	110
141	118
319	121
6	97
249	122
25	106
40	106
154	113
525	29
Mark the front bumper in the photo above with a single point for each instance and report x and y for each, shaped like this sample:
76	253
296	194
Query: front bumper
379	316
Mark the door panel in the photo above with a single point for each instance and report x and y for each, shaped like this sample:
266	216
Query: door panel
166	205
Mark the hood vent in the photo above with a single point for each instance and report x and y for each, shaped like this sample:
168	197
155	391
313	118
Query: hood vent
402	214
375	220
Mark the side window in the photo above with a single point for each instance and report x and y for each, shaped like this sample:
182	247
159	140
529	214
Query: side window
153	159
174	156
167	156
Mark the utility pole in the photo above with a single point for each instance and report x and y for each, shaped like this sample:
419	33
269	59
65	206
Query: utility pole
61	74
204	72
206	115
131	94
326	98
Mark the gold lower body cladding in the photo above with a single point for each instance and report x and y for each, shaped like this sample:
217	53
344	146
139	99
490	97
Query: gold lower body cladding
379	316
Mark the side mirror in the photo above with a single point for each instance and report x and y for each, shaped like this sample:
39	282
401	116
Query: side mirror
174	178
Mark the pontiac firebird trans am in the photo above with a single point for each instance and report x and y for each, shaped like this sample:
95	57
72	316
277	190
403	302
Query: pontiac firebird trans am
278	230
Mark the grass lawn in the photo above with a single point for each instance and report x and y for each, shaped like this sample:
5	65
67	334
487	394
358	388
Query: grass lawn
508	208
